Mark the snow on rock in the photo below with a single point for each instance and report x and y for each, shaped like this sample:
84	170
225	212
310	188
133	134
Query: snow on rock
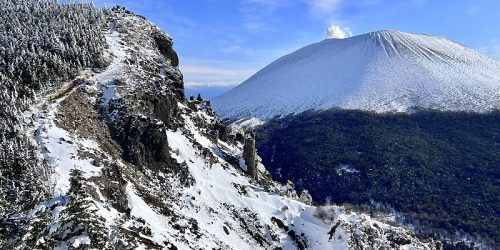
80	240
384	71
193	193
61	150
246	123
226	203
157	222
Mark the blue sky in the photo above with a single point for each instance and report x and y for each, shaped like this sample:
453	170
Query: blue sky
223	42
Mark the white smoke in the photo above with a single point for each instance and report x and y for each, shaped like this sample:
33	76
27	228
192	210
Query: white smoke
335	31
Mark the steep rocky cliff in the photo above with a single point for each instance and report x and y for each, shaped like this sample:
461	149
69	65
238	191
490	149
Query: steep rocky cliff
131	164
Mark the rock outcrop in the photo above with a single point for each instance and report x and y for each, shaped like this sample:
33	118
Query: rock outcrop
159	172
305	197
249	155
143	142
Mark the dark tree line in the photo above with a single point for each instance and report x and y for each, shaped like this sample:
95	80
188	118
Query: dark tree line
441	169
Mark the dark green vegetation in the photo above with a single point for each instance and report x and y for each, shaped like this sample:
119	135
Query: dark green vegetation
441	169
42	44
74	221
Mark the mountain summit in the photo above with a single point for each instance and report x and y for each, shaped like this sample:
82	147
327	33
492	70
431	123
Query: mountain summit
100	150
383	71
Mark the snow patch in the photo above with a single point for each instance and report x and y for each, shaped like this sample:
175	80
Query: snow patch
60	149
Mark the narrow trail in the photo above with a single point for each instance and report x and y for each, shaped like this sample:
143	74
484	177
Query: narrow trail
36	111
101	79
34	115
69	86
59	148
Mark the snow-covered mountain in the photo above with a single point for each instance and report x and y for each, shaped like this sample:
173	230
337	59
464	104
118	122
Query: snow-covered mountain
125	162
382	71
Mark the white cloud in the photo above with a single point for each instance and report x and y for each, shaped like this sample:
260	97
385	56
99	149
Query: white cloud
338	32
199	75
330	11
208	85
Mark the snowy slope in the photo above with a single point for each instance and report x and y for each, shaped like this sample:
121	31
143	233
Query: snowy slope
200	196
381	71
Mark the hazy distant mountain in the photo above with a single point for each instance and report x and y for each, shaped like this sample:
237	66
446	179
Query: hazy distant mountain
380	71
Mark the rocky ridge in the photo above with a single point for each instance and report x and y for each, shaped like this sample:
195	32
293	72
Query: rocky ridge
160	172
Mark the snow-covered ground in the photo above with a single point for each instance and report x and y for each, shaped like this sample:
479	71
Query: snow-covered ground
385	71
222	207
60	148
246	123
218	191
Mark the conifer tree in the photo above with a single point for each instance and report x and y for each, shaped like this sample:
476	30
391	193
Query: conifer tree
42	44
79	219
39	231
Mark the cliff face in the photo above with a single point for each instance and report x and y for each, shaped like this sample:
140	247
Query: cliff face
130	164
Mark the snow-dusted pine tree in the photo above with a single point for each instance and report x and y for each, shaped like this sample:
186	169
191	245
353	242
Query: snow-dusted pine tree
42	44
78	226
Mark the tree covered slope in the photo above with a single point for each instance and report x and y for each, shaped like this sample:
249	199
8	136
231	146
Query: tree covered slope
42	45
441	169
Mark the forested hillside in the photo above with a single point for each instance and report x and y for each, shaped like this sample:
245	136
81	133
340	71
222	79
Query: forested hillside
441	169
42	44
99	149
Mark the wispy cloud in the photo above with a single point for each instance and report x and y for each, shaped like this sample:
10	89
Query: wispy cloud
258	14
208	85
473	10
201	74
324	9
272	3
205	73
232	48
